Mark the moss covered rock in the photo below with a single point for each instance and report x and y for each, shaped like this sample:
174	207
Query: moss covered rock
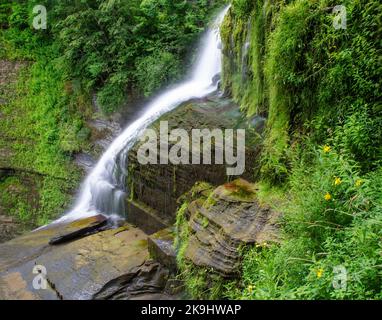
214	225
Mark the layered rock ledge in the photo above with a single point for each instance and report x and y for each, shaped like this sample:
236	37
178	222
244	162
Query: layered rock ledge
154	189
216	223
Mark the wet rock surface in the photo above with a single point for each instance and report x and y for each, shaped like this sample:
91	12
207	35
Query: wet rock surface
145	282
145	217
227	219
161	248
108	264
102	133
75	231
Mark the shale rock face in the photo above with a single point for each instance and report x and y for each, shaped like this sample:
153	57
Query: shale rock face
154	189
146	282
218	224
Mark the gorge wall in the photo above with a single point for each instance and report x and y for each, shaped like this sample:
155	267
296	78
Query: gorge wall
155	189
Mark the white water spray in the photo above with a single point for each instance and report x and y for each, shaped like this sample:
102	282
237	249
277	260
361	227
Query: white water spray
103	191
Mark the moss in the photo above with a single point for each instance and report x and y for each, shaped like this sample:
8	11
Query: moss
202	283
130	181
210	201
41	127
182	233
14	199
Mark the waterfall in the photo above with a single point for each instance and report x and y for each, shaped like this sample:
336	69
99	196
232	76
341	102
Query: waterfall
103	191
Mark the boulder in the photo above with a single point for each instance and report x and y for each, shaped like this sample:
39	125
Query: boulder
144	282
218	225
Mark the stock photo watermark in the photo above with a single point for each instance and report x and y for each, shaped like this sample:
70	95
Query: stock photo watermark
39	281
40	20
340	278
340	19
195	148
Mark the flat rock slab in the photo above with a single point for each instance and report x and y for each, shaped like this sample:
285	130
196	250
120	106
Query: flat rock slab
36	242
79	229
75	270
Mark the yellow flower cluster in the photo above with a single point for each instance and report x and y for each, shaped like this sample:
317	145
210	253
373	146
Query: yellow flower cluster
250	289
263	245
358	183
320	273
337	181
327	149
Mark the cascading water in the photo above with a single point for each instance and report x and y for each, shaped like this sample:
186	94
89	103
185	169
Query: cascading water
104	189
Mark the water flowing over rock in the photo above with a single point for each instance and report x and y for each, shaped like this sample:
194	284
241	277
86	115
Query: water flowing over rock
104	189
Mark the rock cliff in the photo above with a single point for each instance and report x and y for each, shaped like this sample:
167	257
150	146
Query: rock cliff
154	189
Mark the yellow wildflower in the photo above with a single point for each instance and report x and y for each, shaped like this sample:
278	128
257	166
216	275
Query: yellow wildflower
337	181
327	149
320	272
328	197
250	289
358	183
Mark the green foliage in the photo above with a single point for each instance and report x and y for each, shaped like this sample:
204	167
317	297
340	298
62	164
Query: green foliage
113	46
321	235
154	70
14	197
316	85
242	8
18	40
303	70
117	46
44	120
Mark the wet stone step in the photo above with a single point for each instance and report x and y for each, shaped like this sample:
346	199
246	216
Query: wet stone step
161	248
